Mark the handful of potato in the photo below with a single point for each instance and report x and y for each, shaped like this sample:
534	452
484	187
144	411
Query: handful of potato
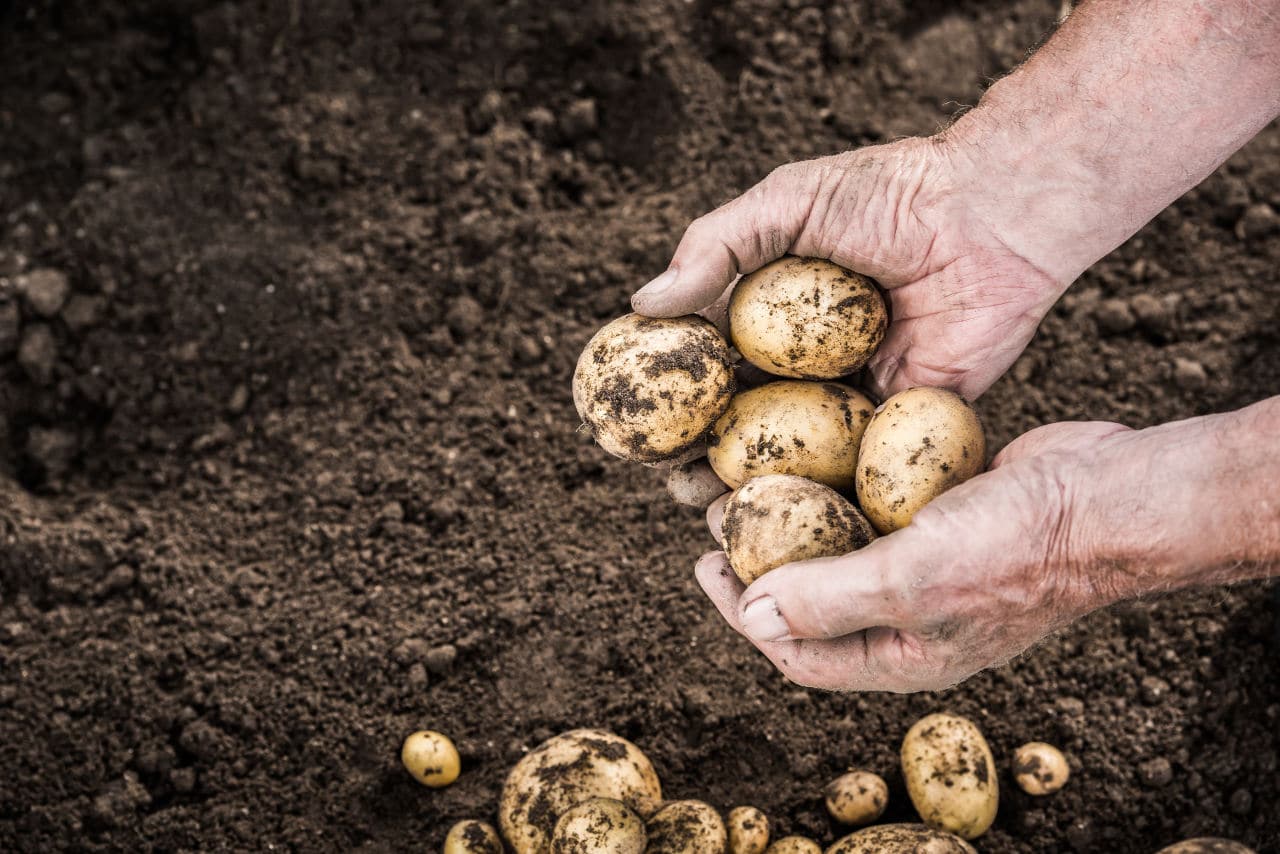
658	391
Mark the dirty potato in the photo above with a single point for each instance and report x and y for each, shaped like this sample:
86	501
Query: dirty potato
650	388
901	839
686	827
1039	768
780	518
748	830
472	837
807	318
857	798
951	775
566	770
431	758
599	826
794	845
920	443
1207	845
791	427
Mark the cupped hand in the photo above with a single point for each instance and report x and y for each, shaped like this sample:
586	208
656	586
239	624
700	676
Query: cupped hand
981	573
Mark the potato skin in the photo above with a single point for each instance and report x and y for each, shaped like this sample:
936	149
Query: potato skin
1207	845
791	427
472	837
686	827
856	798
650	388
807	318
794	845
431	758
780	518
599	826
748	830
951	775
565	771
901	839
919	443
1039	768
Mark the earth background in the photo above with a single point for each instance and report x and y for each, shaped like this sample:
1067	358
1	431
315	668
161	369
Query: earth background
290	296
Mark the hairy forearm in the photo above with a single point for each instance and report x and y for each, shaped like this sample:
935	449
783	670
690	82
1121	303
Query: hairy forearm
1126	107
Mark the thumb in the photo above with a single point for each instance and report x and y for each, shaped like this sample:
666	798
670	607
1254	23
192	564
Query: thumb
757	227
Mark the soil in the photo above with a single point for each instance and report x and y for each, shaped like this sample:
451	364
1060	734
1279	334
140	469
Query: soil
291	467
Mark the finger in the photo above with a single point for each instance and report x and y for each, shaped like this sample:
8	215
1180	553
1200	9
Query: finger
1051	437
718	311
695	484
715	517
744	235
721	585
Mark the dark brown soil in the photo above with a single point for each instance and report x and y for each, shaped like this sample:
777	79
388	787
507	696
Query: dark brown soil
295	470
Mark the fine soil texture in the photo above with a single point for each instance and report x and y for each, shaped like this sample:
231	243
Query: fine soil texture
290	297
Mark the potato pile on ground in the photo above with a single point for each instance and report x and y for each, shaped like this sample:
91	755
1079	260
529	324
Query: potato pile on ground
819	470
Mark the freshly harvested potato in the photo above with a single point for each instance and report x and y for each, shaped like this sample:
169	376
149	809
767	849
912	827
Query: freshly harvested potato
901	839
920	443
748	831
1039	768
431	758
857	798
1207	845
951	775
686	827
650	388
781	518
599	826
566	770
790	427
694	485
794	845
472	837
807	318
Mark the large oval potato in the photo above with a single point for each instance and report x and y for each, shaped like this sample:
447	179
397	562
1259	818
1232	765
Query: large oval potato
951	775
918	444
901	839
780	518
686	827
650	388
790	427
807	318
565	771
599	826
1207	845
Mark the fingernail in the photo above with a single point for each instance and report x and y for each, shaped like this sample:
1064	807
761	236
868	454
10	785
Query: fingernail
660	284
763	621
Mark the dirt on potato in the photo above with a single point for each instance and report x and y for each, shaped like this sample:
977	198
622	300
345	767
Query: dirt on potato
290	298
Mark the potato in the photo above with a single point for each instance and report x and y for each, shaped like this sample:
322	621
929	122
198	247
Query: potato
901	839
599	826
1039	768
1207	845
858	797
694	485
564	771
790	427
951	775
748	831
650	388
781	518
794	845
920	443
686	827
431	758
472	837
807	318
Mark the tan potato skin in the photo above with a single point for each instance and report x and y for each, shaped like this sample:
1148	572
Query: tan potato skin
794	845
857	798
1207	845
472	837
686	827
748	831
807	318
901	839
951	775
919	443
1039	768
431	758
565	771
599	826
650	388
807	429
780	518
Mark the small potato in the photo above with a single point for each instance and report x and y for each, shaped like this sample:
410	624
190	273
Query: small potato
599	826
686	827
472	837
794	845
791	427
807	318
920	443
857	798
431	758
1207	845
901	839
748	831
650	388
566	770
694	485
781	518
951	775
1039	768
